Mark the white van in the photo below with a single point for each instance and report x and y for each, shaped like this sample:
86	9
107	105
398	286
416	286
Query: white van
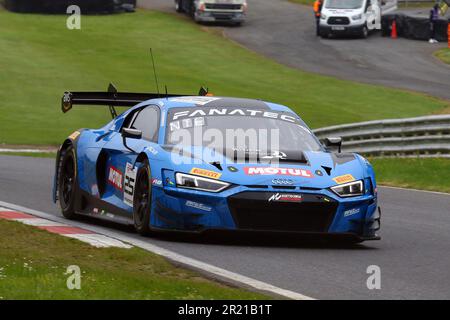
229	11
353	17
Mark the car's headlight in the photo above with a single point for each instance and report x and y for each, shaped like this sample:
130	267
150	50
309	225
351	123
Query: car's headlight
323	16
357	17
199	183
351	189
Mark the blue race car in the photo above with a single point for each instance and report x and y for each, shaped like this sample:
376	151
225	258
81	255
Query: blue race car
190	163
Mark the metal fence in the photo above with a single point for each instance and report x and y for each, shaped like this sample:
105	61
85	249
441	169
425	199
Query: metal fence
422	136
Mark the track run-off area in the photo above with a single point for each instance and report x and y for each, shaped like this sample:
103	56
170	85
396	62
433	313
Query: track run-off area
412	255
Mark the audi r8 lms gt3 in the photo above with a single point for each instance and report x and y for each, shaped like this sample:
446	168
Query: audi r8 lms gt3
198	163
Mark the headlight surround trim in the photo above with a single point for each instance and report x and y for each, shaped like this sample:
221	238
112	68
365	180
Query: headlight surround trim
193	182
347	190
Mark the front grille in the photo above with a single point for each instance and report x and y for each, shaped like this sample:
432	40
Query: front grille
339	20
223	6
254	211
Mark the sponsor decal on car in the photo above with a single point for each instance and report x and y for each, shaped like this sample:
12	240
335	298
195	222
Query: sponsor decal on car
276	154
243	112
197	205
115	178
94	190
351	212
187	123
251	171
152	150
129	183
286	197
206	173
74	135
156	182
344	179
286	182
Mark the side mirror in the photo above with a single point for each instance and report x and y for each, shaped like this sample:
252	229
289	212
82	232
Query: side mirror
132	134
335	142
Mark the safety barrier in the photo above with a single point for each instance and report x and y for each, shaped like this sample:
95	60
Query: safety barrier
427	136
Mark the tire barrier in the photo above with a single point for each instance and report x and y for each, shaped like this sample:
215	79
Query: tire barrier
413	27
420	137
60	6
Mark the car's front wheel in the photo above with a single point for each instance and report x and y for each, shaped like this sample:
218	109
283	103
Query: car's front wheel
142	200
67	183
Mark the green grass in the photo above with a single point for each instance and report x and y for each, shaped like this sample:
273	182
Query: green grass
443	54
425	174
33	264
40	59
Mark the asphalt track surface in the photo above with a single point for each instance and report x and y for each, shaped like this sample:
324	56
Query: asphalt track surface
413	254
285	32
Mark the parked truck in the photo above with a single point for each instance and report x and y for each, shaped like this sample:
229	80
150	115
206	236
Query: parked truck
353	17
226	11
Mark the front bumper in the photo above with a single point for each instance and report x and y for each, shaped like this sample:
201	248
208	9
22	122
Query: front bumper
239	208
218	16
340	30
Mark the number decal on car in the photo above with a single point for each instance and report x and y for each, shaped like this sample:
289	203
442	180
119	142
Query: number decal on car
129	182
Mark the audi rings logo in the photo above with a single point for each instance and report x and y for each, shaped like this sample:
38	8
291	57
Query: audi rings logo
286	182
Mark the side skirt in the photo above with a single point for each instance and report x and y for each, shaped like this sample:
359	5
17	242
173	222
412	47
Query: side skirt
90	206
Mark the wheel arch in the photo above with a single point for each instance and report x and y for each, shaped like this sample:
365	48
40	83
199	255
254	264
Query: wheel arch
142	157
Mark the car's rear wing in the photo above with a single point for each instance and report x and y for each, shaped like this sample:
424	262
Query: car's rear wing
115	99
112	98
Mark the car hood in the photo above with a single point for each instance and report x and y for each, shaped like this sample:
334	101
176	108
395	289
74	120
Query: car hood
320	170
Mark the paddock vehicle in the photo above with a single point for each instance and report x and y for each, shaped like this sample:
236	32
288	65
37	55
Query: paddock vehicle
143	168
352	17
228	11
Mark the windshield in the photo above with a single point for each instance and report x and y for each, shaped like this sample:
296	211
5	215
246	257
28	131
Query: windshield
243	131
343	4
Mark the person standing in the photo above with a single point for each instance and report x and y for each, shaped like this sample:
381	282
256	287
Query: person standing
317	10
434	16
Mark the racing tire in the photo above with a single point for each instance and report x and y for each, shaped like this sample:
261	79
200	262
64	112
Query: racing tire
178	6
364	32
67	183
142	200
